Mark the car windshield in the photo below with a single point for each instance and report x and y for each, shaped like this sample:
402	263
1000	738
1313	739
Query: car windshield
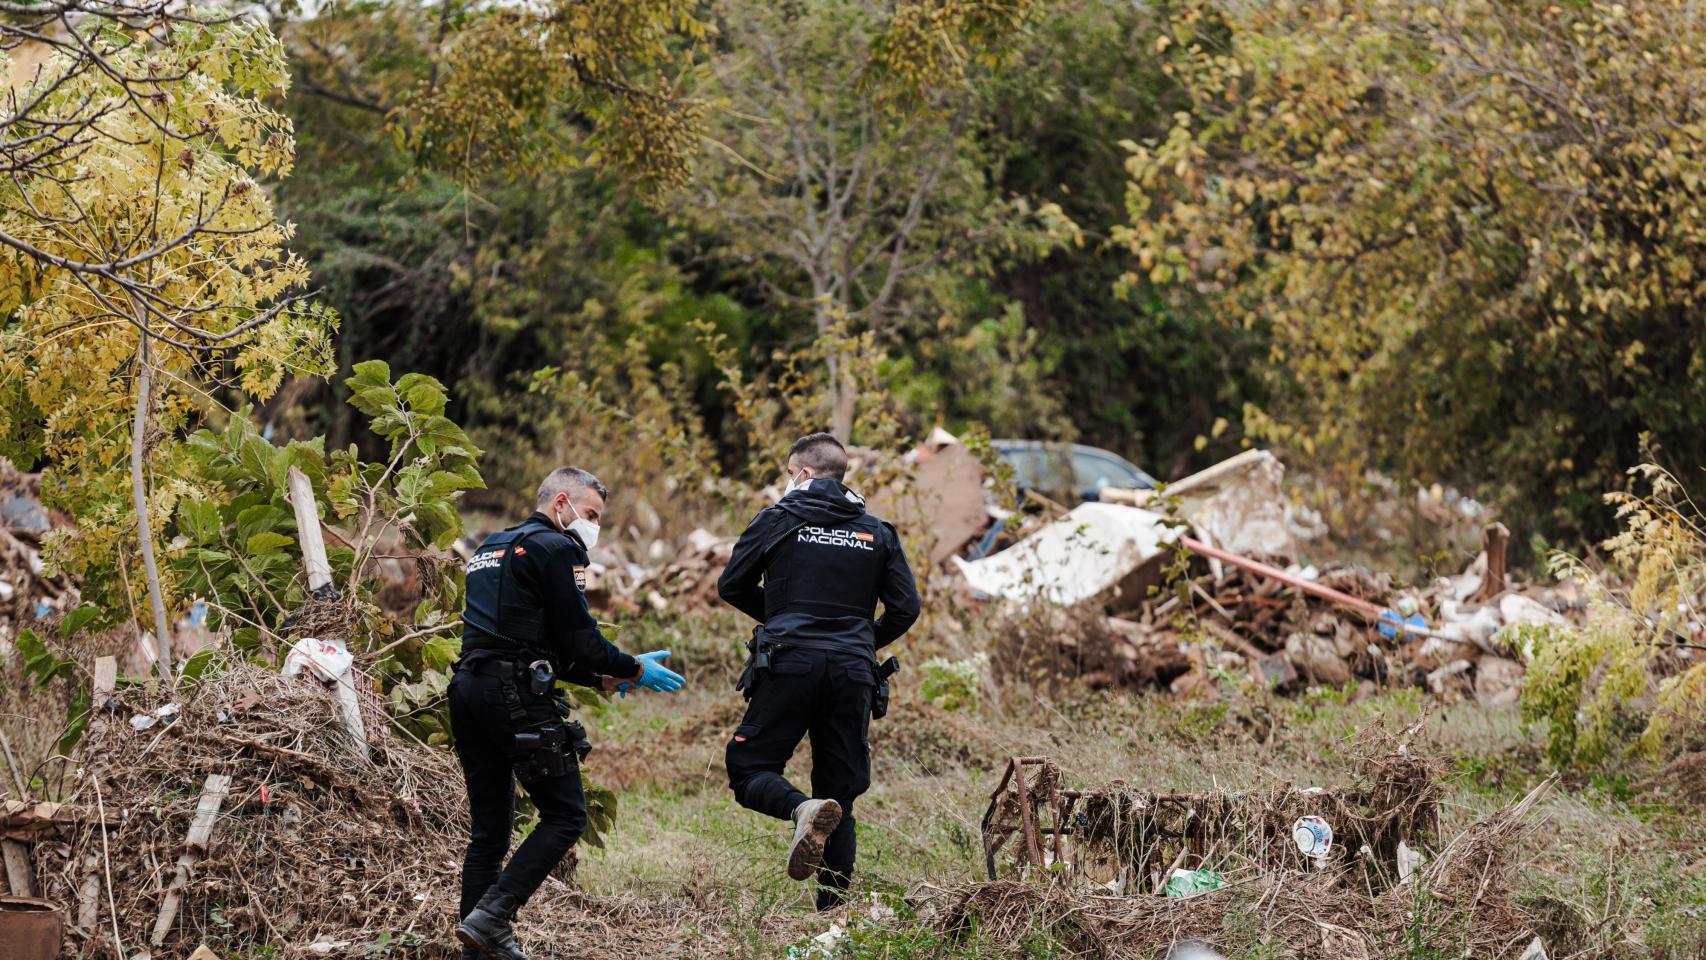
1036	468
1096	472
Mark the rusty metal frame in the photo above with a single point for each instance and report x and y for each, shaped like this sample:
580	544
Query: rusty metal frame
1030	819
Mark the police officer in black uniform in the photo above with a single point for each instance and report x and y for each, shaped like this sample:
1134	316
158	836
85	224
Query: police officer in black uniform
812	570
526	624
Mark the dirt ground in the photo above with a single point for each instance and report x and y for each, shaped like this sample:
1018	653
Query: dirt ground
1603	866
1610	871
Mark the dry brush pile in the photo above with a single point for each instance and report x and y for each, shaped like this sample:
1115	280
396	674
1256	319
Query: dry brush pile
315	852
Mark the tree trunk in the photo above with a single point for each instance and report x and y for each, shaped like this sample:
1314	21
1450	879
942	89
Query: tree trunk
144	531
843	397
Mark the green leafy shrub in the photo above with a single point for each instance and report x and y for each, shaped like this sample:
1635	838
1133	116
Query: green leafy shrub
954	684
1617	681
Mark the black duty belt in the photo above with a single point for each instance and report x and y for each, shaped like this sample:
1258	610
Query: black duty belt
536	677
494	667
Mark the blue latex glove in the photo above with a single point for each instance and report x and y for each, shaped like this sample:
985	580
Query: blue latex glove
655	676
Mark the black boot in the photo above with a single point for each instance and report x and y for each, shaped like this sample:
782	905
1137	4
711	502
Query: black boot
487	929
830	897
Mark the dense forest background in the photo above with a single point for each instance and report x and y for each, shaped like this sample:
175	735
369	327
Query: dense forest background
1001	281
1446	244
993	318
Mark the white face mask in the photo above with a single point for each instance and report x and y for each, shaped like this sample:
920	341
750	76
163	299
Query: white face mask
799	484
580	527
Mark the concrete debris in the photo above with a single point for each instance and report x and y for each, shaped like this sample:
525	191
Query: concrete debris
1452	680
1097	550
1236	505
1469	623
1286	629
1498	681
939	499
1518	609
689	582
1316	658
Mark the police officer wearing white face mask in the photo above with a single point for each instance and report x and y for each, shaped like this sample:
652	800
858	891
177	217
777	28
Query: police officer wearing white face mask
525	625
814	570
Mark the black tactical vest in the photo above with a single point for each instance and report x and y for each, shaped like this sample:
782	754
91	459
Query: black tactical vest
496	604
827	571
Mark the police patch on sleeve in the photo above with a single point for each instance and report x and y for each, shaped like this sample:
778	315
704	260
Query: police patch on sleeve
580	579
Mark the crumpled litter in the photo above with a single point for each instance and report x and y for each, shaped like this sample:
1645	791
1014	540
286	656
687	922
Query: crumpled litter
327	660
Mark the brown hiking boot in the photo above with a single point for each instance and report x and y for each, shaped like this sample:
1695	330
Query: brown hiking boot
814	821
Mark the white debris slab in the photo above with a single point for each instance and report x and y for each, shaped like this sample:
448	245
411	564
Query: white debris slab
1237	505
1091	550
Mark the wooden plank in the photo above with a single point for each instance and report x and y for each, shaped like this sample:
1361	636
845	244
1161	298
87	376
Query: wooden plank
319	571
106	678
349	714
20	875
88	896
23	820
1495	537
195	844
308	533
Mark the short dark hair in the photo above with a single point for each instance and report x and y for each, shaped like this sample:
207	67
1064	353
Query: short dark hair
564	479
823	453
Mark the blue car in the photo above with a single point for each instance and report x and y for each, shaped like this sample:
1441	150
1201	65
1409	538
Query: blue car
1069	471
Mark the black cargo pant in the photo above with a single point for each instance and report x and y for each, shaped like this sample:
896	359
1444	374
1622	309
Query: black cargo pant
826	695
481	720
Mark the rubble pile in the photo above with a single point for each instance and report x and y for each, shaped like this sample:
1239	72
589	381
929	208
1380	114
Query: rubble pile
1175	589
1245	625
26	592
1200	582
688	582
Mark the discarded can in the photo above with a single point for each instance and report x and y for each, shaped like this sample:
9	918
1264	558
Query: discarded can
31	929
1314	836
1194	950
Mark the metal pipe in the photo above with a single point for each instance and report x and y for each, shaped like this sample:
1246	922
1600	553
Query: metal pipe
1274	573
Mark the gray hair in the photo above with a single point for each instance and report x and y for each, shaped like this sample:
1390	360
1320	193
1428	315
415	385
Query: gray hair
564	479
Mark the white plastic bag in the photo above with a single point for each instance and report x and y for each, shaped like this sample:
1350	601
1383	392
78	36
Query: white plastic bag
328	660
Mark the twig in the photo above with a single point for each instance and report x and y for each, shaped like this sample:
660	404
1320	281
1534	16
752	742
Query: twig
410	636
107	864
12	763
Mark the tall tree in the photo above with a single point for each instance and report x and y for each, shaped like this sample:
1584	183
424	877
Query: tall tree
1474	229
847	167
143	268
1133	373
479	90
